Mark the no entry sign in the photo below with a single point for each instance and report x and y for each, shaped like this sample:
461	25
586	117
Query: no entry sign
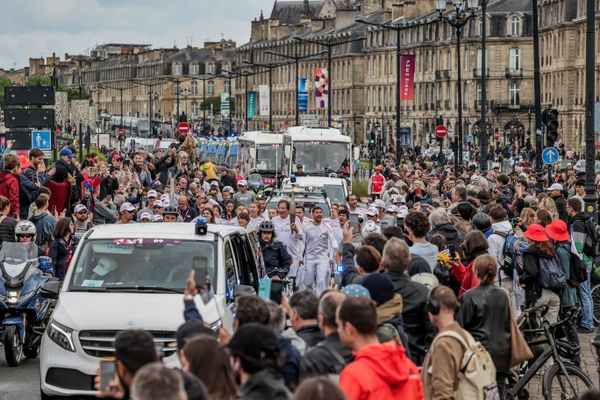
183	128
441	131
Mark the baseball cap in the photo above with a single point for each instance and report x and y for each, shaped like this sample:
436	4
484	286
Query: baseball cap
214	183
227	189
379	203
379	168
127	206
298	166
152	193
67	152
116	157
242	183
380	286
372	212
355	290
157	218
402	211
157	203
392	208
164	197
399	199
555	186
146	215
80	208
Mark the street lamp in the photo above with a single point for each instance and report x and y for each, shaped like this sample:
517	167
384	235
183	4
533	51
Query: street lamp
397	28
464	10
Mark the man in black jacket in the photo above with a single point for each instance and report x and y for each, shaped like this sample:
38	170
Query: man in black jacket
556	193
395	261
64	167
302	310
329	356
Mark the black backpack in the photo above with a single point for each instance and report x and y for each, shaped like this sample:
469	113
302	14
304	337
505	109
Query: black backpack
577	271
591	245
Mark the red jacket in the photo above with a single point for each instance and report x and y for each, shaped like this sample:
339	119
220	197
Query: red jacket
466	277
376	183
381	371
9	187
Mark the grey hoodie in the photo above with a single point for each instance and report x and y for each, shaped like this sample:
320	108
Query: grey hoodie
496	243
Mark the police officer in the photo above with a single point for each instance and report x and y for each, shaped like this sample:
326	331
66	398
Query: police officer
275	256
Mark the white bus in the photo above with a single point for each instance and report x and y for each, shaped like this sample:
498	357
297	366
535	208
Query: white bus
263	151
321	152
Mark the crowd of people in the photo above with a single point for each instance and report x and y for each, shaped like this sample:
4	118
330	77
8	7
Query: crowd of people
391	289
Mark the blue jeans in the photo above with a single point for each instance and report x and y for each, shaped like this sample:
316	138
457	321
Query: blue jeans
587	305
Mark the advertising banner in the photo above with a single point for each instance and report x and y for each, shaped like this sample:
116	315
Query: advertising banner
321	87
302	95
263	99
407	77
225	104
251	104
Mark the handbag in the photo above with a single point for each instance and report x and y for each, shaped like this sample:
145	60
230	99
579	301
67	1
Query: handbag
519	349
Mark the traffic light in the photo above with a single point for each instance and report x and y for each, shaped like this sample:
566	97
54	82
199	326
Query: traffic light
550	119
439	121
182	117
372	140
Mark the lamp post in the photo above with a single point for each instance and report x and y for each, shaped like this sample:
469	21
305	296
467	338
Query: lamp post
537	87
150	86
120	89
296	58
397	28
329	42
464	10
484	142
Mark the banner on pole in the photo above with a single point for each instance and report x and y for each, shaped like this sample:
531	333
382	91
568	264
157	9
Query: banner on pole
302	95
225	104
407	77
321	87
263	99
251	104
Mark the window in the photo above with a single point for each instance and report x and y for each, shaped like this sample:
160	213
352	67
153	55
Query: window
194	69
514	59
514	94
177	69
230	275
479	60
194	88
515	26
210	68
226	86
478	94
194	108
210	88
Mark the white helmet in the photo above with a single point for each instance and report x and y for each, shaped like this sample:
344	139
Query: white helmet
370	227
24	228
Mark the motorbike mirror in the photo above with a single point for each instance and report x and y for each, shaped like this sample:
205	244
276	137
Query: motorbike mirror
50	289
241	290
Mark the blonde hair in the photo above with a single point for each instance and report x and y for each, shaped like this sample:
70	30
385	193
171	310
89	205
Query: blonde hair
527	216
547	203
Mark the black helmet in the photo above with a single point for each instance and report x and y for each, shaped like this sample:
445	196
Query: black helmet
482	222
266	226
171	210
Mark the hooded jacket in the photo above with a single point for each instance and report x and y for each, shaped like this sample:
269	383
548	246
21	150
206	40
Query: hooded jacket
44	224
529	276
496	243
265	384
454	237
9	187
381	371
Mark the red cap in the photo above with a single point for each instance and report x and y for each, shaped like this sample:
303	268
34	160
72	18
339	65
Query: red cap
378	168
116	157
536	233
557	231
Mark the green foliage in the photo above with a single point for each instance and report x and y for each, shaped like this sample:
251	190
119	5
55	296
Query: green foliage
38	80
4	82
216	104
360	188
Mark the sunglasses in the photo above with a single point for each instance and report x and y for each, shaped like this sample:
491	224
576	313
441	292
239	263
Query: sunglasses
25	236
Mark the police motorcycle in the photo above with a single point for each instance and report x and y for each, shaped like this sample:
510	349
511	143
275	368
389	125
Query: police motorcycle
24	312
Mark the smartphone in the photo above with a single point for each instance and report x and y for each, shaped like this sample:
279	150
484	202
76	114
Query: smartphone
353	221
108	370
53	209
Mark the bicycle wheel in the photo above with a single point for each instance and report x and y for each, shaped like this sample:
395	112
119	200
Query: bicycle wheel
596	300
558	386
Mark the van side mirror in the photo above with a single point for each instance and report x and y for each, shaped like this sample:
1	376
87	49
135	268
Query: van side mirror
50	289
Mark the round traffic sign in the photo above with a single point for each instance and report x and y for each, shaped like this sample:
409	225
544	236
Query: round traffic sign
441	131
183	128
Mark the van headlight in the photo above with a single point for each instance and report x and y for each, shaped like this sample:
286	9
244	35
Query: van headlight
61	335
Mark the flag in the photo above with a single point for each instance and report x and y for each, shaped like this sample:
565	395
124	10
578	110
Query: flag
302	95
225	104
321	87
263	98
407	76
251	104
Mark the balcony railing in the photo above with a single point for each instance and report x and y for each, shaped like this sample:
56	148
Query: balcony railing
441	74
477	72
514	72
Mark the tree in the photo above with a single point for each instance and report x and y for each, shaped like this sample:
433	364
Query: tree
38	80
4	82
216	104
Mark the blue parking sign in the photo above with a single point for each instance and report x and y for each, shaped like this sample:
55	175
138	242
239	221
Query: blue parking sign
550	155
41	140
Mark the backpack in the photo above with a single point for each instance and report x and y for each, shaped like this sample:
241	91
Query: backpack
550	274
512	252
591	246
577	271
477	373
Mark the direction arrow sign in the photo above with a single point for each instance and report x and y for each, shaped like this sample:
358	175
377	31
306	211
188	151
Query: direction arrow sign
550	155
183	128
41	140
441	131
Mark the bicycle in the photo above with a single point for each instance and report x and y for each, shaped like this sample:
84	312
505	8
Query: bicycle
563	380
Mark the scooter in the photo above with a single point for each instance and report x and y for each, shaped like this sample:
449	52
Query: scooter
23	312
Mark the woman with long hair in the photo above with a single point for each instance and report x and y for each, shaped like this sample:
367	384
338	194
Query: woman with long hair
475	244
485	313
540	252
547	203
543	217
217	375
189	146
229	212
60	246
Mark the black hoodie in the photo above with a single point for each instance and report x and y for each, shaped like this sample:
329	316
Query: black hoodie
265	384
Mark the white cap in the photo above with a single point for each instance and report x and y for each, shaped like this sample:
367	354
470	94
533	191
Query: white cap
146	215
152	193
166	202
157	218
379	203
392	208
242	183
555	186
214	183
127	206
399	199
228	189
393	190
157	203
79	208
372	212
402	211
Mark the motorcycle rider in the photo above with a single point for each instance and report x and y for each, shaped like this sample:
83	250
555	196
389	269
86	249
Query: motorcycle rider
275	256
25	233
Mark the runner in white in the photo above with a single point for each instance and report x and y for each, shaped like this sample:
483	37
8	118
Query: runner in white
319	254
292	236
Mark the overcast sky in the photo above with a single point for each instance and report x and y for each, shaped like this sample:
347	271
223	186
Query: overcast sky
34	28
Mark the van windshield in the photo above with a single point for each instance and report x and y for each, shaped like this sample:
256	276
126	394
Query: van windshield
163	264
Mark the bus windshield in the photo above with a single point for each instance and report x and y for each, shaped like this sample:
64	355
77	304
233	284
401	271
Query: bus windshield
267	155
321	156
143	128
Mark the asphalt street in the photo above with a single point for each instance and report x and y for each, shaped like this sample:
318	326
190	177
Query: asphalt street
20	383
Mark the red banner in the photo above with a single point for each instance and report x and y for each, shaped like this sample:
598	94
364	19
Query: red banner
407	77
